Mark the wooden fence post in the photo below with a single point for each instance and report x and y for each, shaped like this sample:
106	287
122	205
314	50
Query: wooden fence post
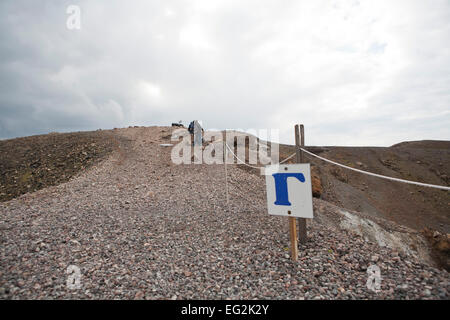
293	235
300	142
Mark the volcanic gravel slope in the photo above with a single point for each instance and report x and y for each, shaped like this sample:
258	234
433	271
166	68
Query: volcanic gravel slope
416	207
32	163
139	226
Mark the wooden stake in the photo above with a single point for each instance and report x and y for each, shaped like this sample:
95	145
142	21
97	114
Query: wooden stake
300	142
293	234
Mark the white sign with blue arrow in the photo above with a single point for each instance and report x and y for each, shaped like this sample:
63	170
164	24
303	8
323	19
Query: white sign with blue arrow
289	190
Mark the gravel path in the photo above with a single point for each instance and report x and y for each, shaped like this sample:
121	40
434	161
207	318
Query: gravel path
139	227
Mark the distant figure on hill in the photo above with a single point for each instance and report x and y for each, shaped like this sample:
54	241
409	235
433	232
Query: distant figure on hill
196	130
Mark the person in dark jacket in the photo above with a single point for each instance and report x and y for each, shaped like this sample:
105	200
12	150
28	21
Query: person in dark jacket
196	131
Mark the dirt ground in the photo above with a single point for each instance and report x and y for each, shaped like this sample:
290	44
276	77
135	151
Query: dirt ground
140	227
426	210
409	205
32	163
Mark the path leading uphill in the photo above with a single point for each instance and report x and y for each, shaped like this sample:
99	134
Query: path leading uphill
140	227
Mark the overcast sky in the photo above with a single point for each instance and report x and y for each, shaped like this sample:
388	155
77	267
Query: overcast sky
354	72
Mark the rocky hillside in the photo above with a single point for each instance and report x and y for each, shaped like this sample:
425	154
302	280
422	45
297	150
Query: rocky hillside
413	206
137	226
423	209
32	163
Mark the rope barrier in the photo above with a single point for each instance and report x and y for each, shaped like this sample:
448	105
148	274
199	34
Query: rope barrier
243	162
287	158
376	175
349	168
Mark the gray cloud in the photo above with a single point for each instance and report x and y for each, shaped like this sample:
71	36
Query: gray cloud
355	73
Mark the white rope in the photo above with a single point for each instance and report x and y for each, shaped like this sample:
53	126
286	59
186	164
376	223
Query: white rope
265	146
346	167
288	158
349	168
243	162
377	175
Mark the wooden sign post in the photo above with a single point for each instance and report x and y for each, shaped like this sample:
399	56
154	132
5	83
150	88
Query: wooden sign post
293	234
300	142
288	190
